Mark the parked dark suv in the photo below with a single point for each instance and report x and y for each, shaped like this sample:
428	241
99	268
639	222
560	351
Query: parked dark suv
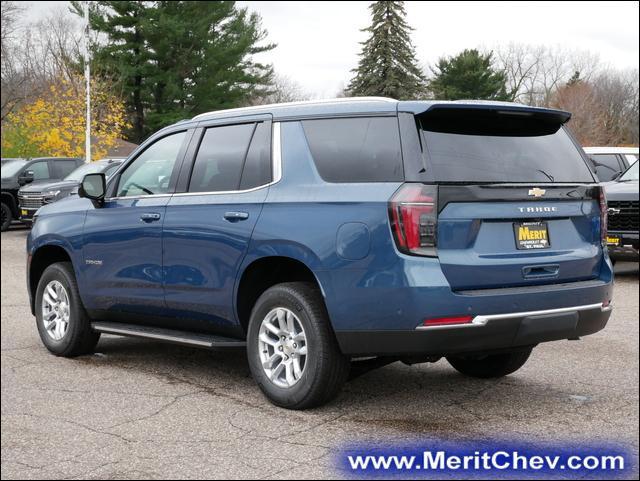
19	172
333	233
33	196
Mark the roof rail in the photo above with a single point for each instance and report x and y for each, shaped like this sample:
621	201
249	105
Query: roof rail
295	104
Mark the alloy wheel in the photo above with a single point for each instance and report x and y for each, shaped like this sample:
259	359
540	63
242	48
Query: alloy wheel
283	347
56	310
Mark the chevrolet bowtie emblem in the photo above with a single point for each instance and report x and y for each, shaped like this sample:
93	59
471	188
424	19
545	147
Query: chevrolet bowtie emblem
535	192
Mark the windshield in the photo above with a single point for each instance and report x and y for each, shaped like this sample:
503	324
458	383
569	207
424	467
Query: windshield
631	174
11	168
468	149
83	170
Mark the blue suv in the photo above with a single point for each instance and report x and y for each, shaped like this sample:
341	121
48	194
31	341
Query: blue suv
334	236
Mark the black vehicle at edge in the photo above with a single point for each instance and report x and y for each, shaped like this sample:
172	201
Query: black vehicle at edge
33	196
623	196
17	173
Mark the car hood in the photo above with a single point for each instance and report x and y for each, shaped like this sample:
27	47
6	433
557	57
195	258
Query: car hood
622	190
42	186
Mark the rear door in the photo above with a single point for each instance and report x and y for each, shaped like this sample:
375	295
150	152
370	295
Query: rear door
517	204
208	226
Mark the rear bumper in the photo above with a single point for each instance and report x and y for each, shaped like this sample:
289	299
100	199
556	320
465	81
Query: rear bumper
627	248
485	333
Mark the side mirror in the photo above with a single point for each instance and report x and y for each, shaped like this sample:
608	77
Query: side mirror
93	187
26	177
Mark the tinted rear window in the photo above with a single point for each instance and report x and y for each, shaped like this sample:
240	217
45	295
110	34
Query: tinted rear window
356	149
489	149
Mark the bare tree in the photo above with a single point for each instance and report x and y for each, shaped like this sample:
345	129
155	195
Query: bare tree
604	108
534	73
617	95
34	55
283	89
12	77
588	117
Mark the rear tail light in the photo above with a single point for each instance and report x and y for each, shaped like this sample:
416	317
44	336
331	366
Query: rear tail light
413	212
604	216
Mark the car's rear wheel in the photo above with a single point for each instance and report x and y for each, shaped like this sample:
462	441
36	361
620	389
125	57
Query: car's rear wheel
490	366
7	217
63	324
293	353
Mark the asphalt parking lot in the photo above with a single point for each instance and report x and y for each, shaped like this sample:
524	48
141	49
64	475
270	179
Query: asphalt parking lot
142	409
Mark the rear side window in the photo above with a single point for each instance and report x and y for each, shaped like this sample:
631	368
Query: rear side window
257	166
607	166
220	159
65	167
356	149
478	148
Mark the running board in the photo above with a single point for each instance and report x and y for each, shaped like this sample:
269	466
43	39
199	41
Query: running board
167	335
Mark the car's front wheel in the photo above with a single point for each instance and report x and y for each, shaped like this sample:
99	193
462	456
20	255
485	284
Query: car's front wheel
63	324
490	366
293	353
7	217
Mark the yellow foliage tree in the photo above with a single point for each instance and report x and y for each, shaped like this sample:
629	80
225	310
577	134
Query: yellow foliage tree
54	125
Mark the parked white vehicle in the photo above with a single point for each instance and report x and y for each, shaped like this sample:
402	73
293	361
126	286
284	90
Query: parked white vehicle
609	162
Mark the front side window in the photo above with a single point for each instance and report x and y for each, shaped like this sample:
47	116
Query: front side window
40	170
631	174
150	173
220	159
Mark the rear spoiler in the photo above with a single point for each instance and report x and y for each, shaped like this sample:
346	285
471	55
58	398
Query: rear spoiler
491	119
481	108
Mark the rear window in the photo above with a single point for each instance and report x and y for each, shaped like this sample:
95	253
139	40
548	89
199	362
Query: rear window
500	149
356	149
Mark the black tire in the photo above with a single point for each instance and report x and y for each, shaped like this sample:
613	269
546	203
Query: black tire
491	366
79	338
7	217
325	369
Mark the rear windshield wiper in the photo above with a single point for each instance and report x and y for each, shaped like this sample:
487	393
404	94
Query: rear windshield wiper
550	177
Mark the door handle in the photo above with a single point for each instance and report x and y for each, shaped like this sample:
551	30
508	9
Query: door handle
236	216
149	217
533	272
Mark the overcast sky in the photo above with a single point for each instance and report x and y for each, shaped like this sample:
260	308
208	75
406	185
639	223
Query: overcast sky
318	42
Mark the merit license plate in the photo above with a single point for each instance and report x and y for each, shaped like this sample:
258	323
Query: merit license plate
531	235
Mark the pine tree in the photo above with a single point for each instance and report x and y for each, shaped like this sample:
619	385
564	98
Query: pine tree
468	75
176	59
388	65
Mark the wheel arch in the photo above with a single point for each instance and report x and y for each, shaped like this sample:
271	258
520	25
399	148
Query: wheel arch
39	260
264	272
10	200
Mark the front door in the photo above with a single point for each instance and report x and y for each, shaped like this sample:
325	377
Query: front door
123	237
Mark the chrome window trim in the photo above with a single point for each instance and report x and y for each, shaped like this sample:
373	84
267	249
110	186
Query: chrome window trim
483	320
276	168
